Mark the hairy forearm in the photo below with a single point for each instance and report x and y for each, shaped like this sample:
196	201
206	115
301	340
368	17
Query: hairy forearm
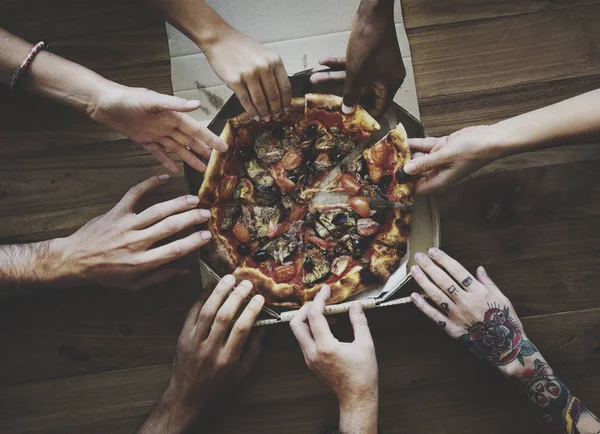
49	75
169	416
557	405
360	417
32	264
573	121
196	19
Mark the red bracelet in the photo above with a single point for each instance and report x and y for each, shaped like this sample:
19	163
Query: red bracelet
20	71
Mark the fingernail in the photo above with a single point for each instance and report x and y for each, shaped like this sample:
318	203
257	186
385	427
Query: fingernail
414	296
414	268
229	279
258	298
433	251
205	213
164	177
410	168
184	272
246	284
347	110
192	103
267	118
192	200
419	257
205	235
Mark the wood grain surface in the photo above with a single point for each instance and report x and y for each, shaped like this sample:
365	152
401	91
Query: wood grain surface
88	360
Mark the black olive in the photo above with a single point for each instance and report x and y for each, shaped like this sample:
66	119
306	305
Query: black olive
367	276
311	131
310	246
245	154
399	222
385	182
308	178
338	157
309	220
260	256
355	216
339	250
278	132
237	213
288	258
243	249
339	218
293	177
308	264
287	236
401	177
273	191
317	214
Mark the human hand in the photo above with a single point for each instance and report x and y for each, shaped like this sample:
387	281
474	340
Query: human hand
348	369
442	161
209	351
255	73
210	359
118	249
473	311
373	61
157	122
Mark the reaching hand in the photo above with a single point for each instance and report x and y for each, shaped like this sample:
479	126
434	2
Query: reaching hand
373	61
210	358
349	369
209	352
445	160
158	123
118	249
255	73
472	310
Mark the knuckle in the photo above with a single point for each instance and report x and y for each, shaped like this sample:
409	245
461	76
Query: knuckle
222	319
239	330
204	316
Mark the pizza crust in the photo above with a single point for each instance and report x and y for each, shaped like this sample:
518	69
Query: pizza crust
359	124
275	294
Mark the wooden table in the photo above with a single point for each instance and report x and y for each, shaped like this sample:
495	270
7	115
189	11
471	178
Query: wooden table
95	361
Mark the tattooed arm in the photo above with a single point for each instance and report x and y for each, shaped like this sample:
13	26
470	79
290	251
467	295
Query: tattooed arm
477	313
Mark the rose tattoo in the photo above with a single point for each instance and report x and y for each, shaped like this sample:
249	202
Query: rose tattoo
498	338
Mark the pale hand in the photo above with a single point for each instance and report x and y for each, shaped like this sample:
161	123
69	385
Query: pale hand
209	357
255	73
474	310
443	161
118	248
157	122
349	369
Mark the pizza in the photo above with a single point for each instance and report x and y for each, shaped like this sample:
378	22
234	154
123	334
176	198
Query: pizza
264	223
379	171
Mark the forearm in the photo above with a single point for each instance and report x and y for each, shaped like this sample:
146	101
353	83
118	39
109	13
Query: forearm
557	405
49	75
168	417
196	19
32	264
573	121
360	417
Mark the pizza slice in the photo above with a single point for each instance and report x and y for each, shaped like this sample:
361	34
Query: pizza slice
378	172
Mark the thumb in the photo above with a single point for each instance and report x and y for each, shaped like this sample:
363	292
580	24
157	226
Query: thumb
422	165
162	102
359	324
483	277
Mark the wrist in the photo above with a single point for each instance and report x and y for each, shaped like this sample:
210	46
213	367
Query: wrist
55	265
358	412
170	415
208	38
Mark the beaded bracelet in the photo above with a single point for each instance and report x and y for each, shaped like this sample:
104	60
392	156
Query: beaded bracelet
20	71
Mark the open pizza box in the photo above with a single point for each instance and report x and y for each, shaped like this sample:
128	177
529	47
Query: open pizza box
425	223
